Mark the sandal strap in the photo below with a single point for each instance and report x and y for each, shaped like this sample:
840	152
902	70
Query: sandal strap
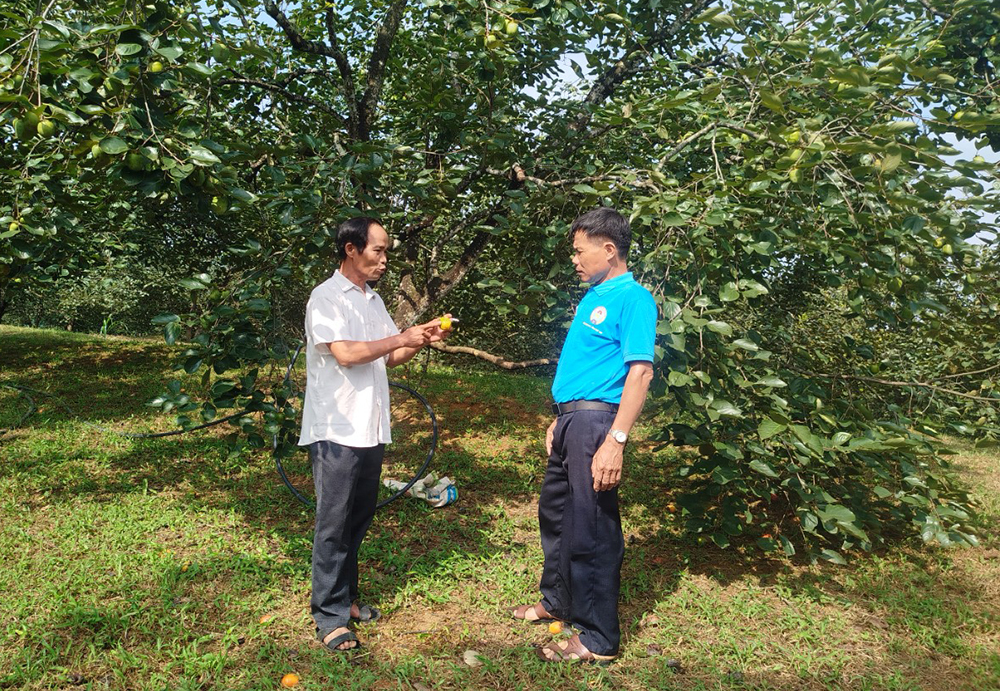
338	640
367	613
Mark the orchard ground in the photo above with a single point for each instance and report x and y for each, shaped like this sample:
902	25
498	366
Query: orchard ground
183	562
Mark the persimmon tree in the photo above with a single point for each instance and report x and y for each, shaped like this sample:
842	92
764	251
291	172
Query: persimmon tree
822	260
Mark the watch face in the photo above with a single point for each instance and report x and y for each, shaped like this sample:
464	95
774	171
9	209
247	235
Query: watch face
619	436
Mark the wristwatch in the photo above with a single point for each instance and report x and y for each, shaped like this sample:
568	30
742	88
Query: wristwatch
619	436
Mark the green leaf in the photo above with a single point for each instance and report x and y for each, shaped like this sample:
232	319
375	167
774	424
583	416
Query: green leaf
763	468
772	101
192	284
768	428
772	380
721	328
729	292
202	156
171	332
170	52
836	513
831	556
126	49
893	157
113	146
723	21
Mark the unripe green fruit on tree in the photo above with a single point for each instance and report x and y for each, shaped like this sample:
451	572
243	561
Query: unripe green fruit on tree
491	40
220	205
46	128
220	51
135	161
946	248
156	66
938	241
908	261
895	285
14	225
978	159
510	27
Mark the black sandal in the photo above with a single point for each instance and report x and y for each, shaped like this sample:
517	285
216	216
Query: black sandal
366	614
338	640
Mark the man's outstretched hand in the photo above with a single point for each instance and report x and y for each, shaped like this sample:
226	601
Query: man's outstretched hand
434	330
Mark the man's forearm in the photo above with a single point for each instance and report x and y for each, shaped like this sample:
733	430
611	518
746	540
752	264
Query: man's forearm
637	382
401	356
350	353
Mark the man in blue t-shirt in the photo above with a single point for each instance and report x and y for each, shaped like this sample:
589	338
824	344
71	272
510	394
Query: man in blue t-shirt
600	386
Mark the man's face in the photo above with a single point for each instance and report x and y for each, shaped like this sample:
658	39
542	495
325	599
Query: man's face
592	257
371	263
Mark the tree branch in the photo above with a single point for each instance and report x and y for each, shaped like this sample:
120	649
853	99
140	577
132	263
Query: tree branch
281	90
933	10
969	374
495	359
329	51
376	66
296	39
605	86
886	382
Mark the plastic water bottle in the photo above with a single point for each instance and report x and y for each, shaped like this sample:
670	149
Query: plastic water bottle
436	492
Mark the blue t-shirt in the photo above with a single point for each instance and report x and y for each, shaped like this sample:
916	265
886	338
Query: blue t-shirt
615	324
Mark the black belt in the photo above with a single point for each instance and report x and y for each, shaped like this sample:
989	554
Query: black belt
570	406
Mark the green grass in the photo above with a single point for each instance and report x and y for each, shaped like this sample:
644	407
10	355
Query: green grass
183	563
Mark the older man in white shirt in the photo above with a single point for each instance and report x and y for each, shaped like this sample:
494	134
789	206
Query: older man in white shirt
345	420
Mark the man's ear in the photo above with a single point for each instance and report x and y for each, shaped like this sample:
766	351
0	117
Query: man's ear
613	249
350	250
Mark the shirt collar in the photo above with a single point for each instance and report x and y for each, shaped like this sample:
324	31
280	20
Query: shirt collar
346	285
612	283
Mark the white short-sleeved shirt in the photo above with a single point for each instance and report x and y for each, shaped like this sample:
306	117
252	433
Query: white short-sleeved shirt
346	405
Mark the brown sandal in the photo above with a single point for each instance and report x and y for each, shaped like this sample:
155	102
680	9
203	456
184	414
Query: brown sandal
571	650
535	614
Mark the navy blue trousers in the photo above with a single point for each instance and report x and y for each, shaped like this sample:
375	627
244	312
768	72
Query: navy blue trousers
581	533
347	480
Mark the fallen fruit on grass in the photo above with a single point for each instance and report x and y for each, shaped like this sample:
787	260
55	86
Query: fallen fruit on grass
266	618
555	627
473	658
289	680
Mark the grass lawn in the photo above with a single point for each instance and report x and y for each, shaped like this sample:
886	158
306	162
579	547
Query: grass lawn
183	562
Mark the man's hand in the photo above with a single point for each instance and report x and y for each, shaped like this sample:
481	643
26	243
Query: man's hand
550	434
607	465
434	330
416	336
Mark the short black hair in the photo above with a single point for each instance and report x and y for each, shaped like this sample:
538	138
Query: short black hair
355	232
607	224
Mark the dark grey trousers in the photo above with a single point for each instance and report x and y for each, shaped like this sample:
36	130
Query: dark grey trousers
347	480
581	532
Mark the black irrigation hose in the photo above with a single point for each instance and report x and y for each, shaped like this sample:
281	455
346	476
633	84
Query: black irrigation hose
427	461
33	408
